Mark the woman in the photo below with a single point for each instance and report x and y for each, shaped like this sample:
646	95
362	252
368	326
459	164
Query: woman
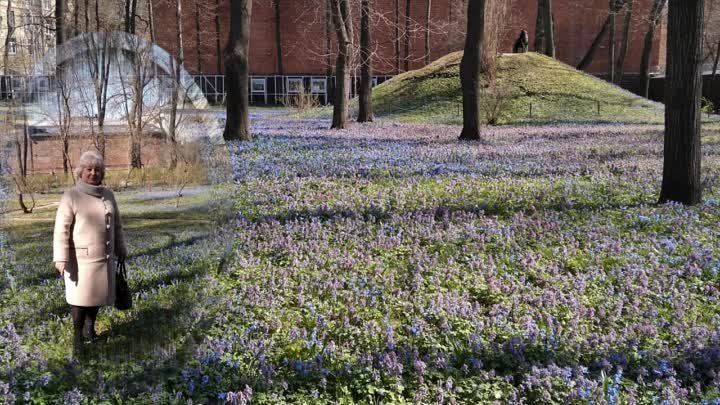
88	237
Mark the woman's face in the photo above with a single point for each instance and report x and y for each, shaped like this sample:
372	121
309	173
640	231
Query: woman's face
91	174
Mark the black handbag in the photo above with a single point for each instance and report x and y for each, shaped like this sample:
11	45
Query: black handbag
123	298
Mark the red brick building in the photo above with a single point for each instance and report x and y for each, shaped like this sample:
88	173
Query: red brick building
304	33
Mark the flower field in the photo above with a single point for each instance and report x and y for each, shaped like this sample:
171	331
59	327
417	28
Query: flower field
392	264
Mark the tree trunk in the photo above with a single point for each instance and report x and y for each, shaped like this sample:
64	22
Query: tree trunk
540	27
620	67
657	9
60	8
611	42
76	19
151	20
683	89
343	29
237	63
407	34
86	14
278	38
328	38
130	15
427	32
366	112
590	55
397	37
549	29
198	38
717	60
471	69
175	97
218	46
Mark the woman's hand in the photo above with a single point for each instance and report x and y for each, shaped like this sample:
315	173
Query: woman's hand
60	267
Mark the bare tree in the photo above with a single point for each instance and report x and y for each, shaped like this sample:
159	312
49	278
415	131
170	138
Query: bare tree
408	35
549	31
218	46
175	96
397	37
590	54
683	89
198	38
471	69
611	41
624	45
237	54
655	14
130	15
278	37
427	32
366	53
539	44
342	19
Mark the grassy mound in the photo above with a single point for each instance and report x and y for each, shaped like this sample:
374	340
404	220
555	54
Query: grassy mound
531	88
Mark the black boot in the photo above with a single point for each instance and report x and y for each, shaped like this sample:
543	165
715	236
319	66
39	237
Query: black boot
89	327
78	345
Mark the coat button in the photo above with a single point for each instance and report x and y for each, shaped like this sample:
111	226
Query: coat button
107	257
107	243
107	226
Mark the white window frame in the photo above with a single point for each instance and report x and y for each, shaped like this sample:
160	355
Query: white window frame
258	80
321	81
293	80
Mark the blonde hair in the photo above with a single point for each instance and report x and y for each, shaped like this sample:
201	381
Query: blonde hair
90	158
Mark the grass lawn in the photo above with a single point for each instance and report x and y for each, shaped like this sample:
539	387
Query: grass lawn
532	89
392	264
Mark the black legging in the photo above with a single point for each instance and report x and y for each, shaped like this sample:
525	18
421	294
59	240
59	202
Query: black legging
80	314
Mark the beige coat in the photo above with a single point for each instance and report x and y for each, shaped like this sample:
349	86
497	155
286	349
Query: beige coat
88	237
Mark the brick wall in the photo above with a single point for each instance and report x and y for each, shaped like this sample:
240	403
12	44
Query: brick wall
303	33
47	157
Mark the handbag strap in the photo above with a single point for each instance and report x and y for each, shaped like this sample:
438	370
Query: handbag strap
121	268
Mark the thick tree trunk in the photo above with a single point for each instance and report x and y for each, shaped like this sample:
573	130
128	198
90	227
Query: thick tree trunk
343	29
278	37
427	32
657	9
683	89
549	29
590	55
620	67
237	65
540	27
408	9
60	7
611	42
471	69
366	112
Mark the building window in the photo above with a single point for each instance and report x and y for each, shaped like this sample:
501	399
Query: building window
11	18
257	85
12	46
318	85
295	85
